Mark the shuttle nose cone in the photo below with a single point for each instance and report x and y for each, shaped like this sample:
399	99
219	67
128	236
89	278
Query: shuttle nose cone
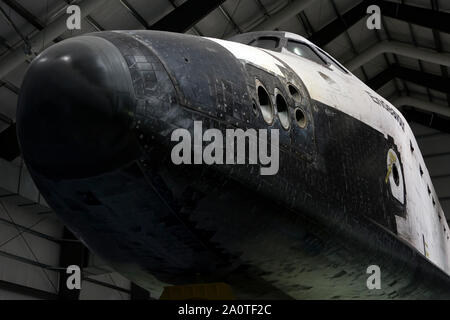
75	110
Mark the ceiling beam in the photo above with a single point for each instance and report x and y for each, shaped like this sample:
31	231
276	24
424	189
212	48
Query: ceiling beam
5	44
230	20
415	43
6	119
427	119
187	15
424	105
135	14
16	57
427	80
352	45
27	291
35	233
438	44
416	15
289	11
11	87
16	182
428	18
26	15
349	38
339	25
28	261
399	48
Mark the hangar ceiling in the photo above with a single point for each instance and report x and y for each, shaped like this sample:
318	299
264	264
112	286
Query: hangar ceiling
407	61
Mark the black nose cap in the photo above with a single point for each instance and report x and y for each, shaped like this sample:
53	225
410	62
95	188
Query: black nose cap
75	110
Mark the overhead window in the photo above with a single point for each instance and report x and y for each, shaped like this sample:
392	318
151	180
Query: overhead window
305	51
270	43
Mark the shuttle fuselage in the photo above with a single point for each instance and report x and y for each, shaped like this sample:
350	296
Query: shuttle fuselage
96	122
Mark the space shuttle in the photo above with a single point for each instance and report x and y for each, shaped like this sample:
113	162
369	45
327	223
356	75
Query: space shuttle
350	190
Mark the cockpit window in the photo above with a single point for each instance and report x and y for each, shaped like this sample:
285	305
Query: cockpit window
303	50
269	43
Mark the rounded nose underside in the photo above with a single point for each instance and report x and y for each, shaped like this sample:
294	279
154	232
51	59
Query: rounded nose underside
75	110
